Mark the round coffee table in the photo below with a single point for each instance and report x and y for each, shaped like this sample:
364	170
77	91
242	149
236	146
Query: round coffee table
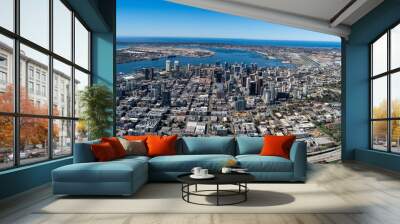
238	179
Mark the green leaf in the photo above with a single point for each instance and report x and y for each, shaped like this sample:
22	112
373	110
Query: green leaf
97	110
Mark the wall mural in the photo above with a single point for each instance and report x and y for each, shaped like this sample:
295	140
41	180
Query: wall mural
228	86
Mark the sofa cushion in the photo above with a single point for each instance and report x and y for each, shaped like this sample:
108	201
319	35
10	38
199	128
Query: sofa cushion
208	145
83	152
161	145
134	147
112	171
185	163
249	145
277	145
116	145
103	152
257	163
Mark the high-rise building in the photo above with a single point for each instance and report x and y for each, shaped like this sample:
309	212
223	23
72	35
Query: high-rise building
151	73
227	75
168	65
259	86
155	90
166	98
220	90
244	81
218	76
237	69
176	65
226	66
230	86
298	94
305	90
252	88
146	72
240	104
254	66
267	97
273	91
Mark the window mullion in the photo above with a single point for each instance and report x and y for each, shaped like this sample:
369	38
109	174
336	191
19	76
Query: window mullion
16	69
73	81
371	89
50	81
389	104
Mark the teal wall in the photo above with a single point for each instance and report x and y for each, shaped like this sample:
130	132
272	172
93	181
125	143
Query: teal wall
103	63
99	15
380	159
356	85
103	58
356	113
24	178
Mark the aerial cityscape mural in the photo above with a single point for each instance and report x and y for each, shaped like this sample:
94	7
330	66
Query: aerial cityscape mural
203	86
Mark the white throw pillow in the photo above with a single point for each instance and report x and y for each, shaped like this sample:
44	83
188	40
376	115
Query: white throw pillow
136	147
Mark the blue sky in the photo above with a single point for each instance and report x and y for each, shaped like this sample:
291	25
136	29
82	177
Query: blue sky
157	18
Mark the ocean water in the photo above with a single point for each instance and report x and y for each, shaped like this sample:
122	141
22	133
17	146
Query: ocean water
231	56
221	55
126	41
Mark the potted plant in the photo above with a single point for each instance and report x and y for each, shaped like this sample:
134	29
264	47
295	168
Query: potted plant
96	103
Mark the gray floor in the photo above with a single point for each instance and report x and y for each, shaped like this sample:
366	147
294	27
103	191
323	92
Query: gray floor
379	189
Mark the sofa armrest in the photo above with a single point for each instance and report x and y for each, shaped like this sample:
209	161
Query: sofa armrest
83	152
298	155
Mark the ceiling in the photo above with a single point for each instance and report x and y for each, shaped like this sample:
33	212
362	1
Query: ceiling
326	16
98	15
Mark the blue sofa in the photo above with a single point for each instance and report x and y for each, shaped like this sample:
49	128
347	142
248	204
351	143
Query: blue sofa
125	176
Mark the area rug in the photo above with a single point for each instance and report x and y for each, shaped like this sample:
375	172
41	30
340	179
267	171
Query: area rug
166	198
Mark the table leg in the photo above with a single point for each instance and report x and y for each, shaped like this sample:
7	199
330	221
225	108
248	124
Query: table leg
217	194
182	190
195	188
245	193
188	190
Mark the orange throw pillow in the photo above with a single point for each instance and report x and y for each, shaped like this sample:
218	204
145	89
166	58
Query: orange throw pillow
116	145
103	152
277	145
136	138
161	145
